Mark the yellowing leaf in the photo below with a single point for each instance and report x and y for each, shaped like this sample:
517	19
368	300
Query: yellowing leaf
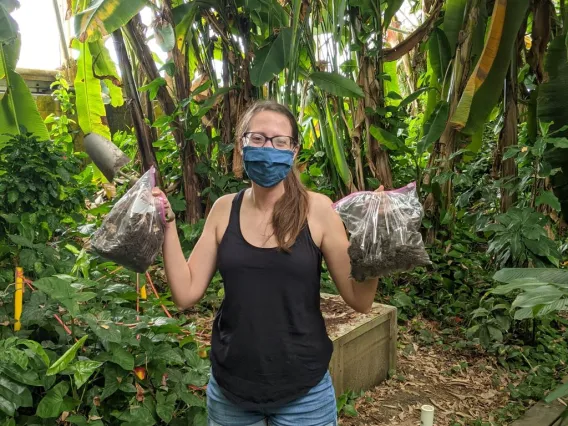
104	17
483	66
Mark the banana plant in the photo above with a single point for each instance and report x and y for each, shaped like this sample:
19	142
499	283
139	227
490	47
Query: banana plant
17	106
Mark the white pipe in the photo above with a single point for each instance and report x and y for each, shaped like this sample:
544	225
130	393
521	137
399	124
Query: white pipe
427	415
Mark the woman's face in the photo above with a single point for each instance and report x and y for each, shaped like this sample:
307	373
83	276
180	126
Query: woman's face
271	124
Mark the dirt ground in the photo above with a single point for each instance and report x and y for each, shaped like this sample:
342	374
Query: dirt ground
461	389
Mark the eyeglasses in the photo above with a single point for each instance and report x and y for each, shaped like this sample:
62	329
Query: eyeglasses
259	140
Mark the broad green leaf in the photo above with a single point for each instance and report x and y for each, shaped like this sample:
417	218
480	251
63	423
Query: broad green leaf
336	84
391	86
549	199
495	333
104	17
21	241
83	369
439	53
165	406
474	146
64	292
90	107
153	87
538	296
8	26
37	348
524	313
66	358
53	404
7	407
270	60
392	8
165	36
386	138
413	96
434	128
454	18
485	84
121	356
21	375
517	284
534	275
20	395
10	5
559	392
105	67
18	108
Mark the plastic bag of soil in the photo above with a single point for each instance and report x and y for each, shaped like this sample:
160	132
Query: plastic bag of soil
132	233
384	230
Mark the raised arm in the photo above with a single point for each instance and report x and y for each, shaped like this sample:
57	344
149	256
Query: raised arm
189	279
334	245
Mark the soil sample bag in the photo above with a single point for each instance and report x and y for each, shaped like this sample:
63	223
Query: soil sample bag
384	230
132	233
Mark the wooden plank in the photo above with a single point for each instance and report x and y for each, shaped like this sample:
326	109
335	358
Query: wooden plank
541	414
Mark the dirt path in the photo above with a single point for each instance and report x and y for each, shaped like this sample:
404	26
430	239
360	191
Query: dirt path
461	388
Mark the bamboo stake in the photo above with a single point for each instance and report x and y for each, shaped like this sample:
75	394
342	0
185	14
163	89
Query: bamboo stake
18	297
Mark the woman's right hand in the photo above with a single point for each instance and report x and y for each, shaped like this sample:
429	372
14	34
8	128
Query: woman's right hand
169	213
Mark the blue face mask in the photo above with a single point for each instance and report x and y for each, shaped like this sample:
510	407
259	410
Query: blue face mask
267	166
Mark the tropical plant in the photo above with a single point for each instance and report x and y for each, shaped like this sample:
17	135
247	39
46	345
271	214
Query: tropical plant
18	109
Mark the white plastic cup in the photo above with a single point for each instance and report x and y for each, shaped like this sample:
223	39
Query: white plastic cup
426	415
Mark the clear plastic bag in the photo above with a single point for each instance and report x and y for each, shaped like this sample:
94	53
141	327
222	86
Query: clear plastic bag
384	230
132	233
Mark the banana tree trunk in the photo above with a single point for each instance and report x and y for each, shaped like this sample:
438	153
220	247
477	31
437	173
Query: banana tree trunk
143	133
441	158
507	169
188	157
377	157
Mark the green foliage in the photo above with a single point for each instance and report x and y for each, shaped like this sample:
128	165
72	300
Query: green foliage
520	236
116	364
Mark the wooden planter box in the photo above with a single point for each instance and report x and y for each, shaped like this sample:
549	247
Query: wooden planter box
364	345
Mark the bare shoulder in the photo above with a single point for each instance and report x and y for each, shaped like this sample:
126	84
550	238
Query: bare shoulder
218	218
320	204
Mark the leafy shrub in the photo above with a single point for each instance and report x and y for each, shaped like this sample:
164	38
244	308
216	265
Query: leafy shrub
111	365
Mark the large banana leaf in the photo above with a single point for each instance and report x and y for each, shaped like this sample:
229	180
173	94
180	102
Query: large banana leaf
553	107
336	84
485	85
17	105
18	108
105	67
454	17
8	27
391	84
104	17
90	107
392	8
270	60
439	54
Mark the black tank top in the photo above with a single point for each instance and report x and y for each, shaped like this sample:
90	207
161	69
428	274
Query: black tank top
269	342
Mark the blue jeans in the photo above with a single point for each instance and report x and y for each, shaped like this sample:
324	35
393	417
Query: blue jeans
316	408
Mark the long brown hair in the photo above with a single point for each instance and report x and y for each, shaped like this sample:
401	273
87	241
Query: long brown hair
290	211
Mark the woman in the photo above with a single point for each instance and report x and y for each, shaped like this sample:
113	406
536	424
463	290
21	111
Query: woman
270	351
